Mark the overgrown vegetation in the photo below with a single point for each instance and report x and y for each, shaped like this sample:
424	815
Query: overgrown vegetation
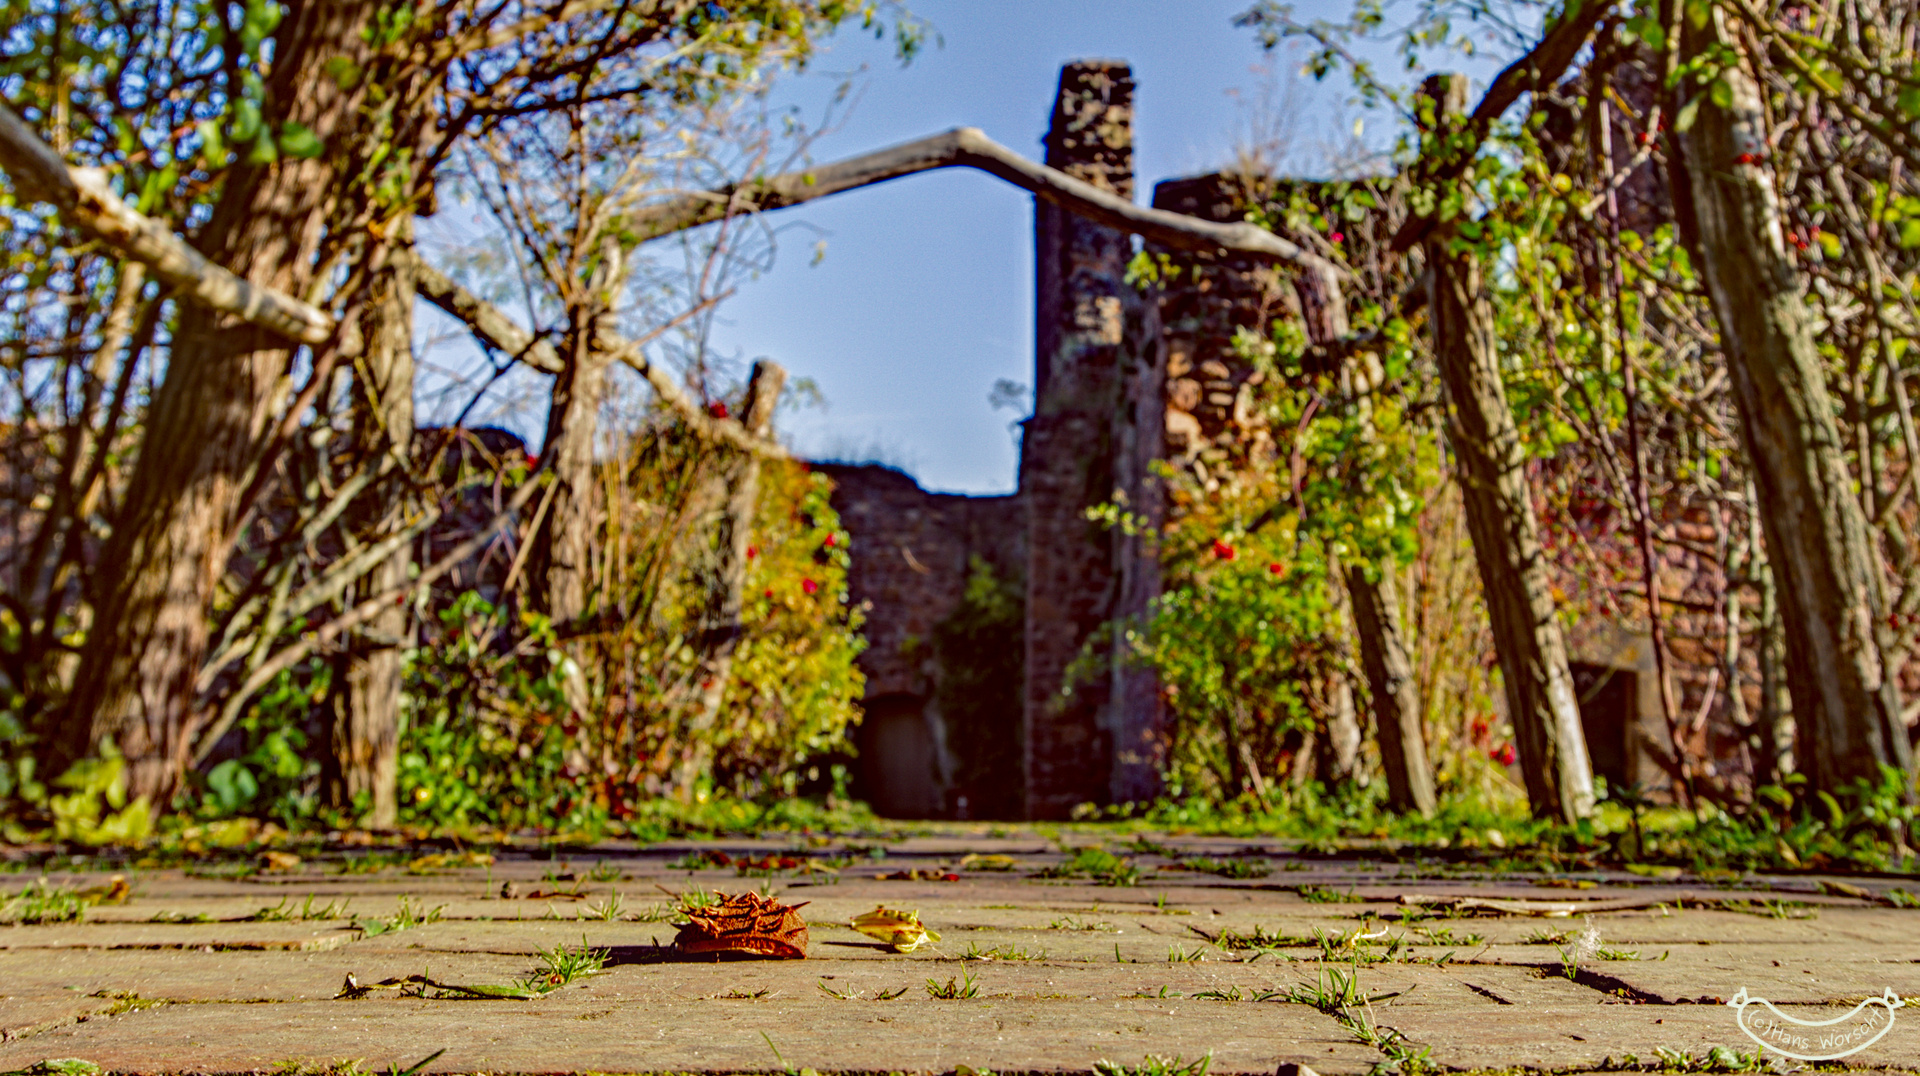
335	614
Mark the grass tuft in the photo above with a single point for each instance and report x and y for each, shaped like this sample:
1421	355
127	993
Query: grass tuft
955	989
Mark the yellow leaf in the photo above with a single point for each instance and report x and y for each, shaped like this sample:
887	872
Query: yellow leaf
978	862
279	861
901	930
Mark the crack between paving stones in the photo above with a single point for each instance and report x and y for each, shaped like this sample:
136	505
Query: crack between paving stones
1485	993
1619	991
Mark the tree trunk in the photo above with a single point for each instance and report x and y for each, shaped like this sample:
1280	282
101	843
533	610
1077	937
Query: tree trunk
1375	605
1340	744
365	737
1846	704
736	486
1396	697
1500	517
204	434
563	550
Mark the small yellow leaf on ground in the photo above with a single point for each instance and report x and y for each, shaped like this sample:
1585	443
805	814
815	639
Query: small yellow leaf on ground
1655	870
978	862
116	891
902	930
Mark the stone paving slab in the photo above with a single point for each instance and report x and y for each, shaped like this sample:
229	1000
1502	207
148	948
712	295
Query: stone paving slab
1806	974
209	936
580	1032
193	976
1075	971
1569	1038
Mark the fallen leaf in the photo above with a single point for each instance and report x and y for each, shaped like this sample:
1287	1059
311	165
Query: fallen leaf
745	923
901	930
978	862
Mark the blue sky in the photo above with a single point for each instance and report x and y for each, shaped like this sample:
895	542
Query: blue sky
925	295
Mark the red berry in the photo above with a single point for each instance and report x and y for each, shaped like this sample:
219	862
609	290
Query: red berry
1336	236
718	409
831	540
1223	550
1276	568
753	551
809	586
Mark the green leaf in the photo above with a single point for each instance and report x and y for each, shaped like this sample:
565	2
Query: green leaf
1722	92
246	120
344	72
298	142
1910	102
1683	120
262	151
1910	233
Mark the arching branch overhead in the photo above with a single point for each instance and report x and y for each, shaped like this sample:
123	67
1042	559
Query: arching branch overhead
969	147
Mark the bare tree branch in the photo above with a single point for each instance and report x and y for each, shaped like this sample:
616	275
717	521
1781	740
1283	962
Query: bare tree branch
969	147
89	205
493	327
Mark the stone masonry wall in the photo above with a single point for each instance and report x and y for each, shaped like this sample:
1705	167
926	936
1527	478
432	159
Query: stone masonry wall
1083	445
911	551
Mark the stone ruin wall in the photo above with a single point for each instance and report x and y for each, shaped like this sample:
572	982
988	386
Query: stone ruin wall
1093	434
1120	382
913	553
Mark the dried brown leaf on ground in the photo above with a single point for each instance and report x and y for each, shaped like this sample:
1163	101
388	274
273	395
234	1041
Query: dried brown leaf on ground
745	923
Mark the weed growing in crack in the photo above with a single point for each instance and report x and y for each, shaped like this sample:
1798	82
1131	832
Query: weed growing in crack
125	1001
1154	1065
1074	922
564	964
606	910
1717	1059
180	917
409	916
856	995
1097	864
1332	990
1178	955
1259	938
1001	952
41	903
285	912
1445	936
1319	894
1225	868
1337	993
955	989
1585	946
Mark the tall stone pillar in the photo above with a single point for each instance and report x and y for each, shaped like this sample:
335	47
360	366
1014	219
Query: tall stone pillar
1095	427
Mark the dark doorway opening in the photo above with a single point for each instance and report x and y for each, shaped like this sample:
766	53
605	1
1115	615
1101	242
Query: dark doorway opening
899	763
1609	711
